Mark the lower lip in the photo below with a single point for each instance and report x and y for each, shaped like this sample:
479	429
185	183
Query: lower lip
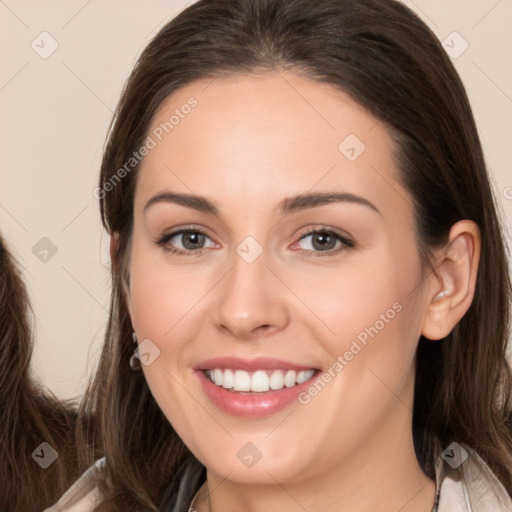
251	405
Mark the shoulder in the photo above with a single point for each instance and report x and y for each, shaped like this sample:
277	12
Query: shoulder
470	485
83	495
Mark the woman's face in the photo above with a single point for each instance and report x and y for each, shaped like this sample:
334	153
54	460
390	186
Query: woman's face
255	155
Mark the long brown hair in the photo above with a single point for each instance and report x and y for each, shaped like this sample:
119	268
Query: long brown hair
387	60
29	416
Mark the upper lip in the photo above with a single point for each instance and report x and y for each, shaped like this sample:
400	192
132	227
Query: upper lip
258	363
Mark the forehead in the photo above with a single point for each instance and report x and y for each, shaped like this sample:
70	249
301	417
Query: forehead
259	137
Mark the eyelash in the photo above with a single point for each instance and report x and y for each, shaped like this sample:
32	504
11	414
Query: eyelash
347	243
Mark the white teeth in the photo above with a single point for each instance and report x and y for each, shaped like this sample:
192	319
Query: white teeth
303	376
228	379
217	376
277	380
260	381
290	378
242	381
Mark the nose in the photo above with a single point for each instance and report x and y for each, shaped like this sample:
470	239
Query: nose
251	302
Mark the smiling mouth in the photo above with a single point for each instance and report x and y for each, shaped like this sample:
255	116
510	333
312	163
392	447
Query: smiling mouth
259	381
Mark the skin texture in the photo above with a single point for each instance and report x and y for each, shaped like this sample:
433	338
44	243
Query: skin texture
250	142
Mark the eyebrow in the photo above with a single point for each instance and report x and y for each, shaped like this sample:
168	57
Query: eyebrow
287	206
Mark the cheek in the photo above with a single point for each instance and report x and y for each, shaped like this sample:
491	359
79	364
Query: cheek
373	314
371	297
163	296
165	305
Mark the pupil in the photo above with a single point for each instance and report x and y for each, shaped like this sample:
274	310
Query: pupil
323	240
195	238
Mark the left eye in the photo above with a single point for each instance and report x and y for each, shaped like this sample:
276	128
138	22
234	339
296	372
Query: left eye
323	240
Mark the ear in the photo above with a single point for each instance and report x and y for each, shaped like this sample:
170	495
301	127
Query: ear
114	244
452	286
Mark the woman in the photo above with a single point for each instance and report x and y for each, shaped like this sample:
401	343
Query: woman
305	246
38	458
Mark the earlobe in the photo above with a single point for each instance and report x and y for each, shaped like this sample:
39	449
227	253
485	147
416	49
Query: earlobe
453	282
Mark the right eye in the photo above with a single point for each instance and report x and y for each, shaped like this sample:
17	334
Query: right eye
192	242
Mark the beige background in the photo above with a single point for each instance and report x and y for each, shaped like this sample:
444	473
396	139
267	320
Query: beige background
55	113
